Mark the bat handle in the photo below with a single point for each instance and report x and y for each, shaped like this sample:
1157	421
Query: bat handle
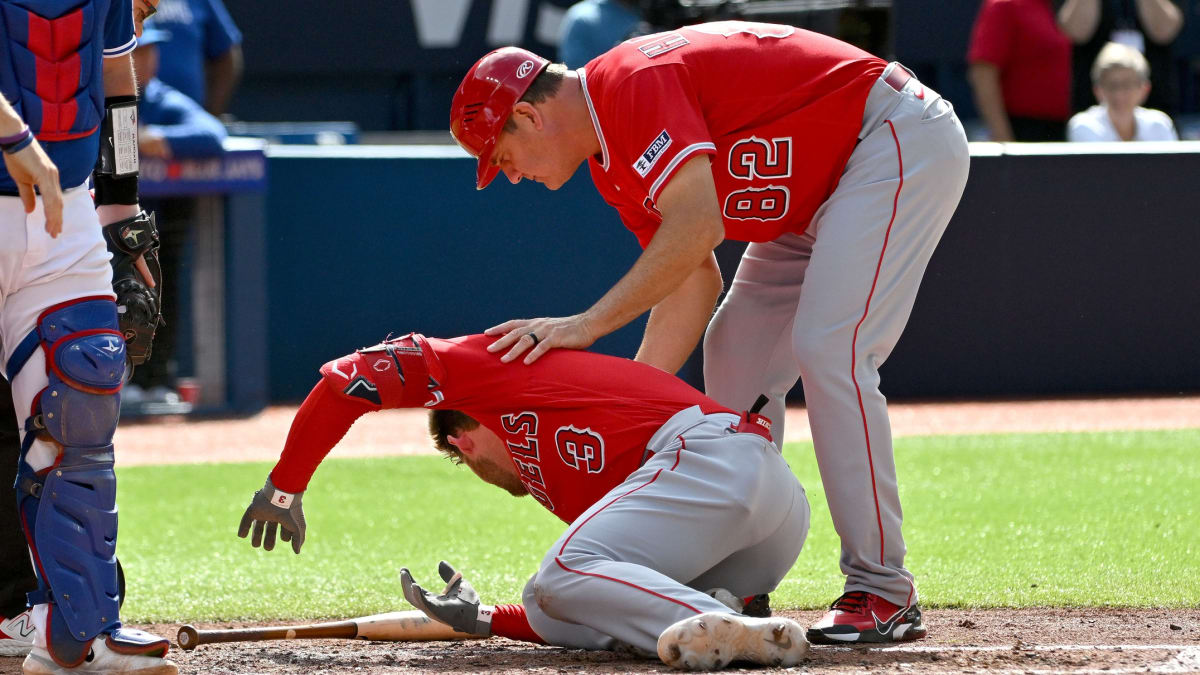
188	638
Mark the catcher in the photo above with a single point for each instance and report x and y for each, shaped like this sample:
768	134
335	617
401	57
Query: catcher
666	494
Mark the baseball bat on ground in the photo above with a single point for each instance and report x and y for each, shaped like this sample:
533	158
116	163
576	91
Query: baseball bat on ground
407	626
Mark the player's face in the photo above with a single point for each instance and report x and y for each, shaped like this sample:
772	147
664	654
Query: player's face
489	459
533	154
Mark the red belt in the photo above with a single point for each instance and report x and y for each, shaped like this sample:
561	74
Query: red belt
897	78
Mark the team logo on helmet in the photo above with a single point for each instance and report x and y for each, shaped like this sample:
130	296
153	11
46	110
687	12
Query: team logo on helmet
524	69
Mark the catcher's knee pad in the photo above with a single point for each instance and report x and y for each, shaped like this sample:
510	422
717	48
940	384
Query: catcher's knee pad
69	510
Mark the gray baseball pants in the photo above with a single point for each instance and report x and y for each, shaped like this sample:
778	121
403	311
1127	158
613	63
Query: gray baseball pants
828	306
710	509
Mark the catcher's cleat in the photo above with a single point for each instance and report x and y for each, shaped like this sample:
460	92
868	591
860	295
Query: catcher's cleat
16	634
859	617
714	640
123	651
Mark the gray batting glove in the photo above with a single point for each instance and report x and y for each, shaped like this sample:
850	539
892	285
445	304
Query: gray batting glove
458	606
273	508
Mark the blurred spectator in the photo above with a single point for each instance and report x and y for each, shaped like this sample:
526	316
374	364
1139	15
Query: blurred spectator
172	125
1149	26
1121	82
1020	70
592	27
202	55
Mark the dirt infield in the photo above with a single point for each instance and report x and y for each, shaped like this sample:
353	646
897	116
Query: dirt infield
1105	641
400	432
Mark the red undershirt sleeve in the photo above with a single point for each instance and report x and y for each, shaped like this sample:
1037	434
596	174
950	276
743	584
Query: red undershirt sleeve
511	622
322	421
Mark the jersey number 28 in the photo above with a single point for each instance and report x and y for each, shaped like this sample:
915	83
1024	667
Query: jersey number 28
756	158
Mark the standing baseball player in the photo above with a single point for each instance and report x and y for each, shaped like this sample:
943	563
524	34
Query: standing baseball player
667	494
841	169
71	87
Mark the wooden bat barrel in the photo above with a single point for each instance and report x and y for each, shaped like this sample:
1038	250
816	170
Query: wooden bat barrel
407	626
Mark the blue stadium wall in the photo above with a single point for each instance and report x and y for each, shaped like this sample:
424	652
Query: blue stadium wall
1059	274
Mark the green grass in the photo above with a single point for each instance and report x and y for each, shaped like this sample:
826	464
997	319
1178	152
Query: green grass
1102	519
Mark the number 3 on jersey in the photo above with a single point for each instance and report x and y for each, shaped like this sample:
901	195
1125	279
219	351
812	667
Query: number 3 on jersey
756	158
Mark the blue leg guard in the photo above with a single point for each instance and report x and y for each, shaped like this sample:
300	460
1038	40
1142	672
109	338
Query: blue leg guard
69	511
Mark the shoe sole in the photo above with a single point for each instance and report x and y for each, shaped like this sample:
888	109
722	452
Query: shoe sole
905	632
15	650
38	665
714	640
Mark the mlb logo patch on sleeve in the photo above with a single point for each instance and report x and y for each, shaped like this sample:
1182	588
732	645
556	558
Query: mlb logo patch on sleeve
652	153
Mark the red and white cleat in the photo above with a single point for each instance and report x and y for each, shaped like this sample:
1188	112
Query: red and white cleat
859	617
16	634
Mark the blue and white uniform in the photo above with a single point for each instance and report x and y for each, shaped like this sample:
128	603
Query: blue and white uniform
62	351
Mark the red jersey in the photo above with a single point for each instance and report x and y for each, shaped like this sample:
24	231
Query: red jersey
576	423
778	108
1022	39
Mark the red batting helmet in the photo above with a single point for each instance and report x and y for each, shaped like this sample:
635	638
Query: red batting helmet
485	99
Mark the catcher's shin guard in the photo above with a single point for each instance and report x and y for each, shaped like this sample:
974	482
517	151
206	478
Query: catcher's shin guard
68	511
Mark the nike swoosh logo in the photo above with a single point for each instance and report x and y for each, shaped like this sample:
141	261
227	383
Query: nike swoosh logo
886	627
782	644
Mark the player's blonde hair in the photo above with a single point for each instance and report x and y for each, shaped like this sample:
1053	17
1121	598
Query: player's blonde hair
1116	55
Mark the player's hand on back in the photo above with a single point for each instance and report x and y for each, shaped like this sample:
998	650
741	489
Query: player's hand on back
458	606
538	336
272	508
30	167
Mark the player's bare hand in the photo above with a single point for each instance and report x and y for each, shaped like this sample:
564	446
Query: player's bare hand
538	336
142	10
30	167
143	269
274	508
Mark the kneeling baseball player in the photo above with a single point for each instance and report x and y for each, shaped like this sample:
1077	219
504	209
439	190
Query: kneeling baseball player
667	495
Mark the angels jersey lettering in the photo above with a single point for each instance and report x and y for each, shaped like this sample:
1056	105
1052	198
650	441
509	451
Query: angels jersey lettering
777	109
571	439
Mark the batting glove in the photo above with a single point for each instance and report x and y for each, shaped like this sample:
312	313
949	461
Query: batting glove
458	606
273	508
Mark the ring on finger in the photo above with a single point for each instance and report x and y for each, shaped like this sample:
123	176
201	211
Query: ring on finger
534	338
